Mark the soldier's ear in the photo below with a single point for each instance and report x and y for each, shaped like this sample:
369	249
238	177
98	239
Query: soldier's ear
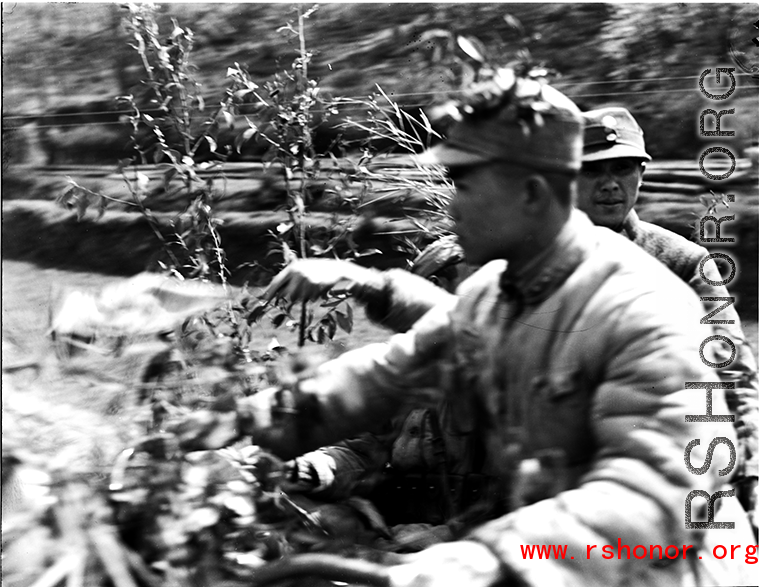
537	195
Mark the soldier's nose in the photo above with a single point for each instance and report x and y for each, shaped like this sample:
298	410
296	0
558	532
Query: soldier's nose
609	183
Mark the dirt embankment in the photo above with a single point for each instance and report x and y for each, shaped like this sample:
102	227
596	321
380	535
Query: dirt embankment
250	206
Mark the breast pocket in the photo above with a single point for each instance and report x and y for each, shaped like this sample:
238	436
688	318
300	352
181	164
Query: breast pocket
559	414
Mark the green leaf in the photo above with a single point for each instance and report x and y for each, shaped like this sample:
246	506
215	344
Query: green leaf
168	175
178	31
472	47
65	198
243	137
331	328
240	94
288	254
241	505
102	204
277	320
367	252
203	517
133	496
82	204
256	313
344	321
149	120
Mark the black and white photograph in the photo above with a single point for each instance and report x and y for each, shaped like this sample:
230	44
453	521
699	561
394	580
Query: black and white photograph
402	294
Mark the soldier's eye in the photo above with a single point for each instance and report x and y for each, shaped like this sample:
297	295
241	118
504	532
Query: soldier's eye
590	170
623	167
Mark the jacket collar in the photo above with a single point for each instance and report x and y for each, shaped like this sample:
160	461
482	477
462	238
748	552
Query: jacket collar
544	274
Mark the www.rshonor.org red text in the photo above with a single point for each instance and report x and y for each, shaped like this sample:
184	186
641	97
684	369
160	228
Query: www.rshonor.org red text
640	551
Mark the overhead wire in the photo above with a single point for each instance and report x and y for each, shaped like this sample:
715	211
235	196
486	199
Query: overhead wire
348	106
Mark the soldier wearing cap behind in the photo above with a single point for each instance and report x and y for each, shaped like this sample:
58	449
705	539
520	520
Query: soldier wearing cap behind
613	163
566	354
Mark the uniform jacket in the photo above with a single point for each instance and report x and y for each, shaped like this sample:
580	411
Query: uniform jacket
408	298
584	358
683	258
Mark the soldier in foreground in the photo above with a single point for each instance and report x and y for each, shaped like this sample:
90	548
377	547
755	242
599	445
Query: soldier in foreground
569	364
613	164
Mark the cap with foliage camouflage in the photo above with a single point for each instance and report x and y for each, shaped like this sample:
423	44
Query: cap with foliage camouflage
514	118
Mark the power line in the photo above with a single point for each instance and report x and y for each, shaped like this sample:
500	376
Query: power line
557	84
348	106
611	94
560	84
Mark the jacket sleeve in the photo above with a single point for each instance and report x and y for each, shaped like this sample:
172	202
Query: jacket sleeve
403	300
636	488
744	400
358	464
357	392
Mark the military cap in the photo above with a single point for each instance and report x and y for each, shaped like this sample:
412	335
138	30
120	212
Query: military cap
516	119
611	133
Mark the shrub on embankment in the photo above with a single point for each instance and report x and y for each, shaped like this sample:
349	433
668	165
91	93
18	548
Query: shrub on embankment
123	244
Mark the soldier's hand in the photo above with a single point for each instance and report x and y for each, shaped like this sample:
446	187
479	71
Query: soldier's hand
310	279
314	471
450	564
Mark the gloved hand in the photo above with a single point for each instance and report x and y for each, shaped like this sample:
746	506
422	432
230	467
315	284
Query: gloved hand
309	279
449	564
314	471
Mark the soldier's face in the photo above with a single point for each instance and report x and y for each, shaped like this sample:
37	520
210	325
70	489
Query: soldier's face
489	222
608	189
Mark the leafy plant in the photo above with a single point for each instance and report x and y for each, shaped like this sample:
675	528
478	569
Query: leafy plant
288	104
165	132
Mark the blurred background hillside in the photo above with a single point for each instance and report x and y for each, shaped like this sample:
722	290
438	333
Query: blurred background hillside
64	64
74	58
